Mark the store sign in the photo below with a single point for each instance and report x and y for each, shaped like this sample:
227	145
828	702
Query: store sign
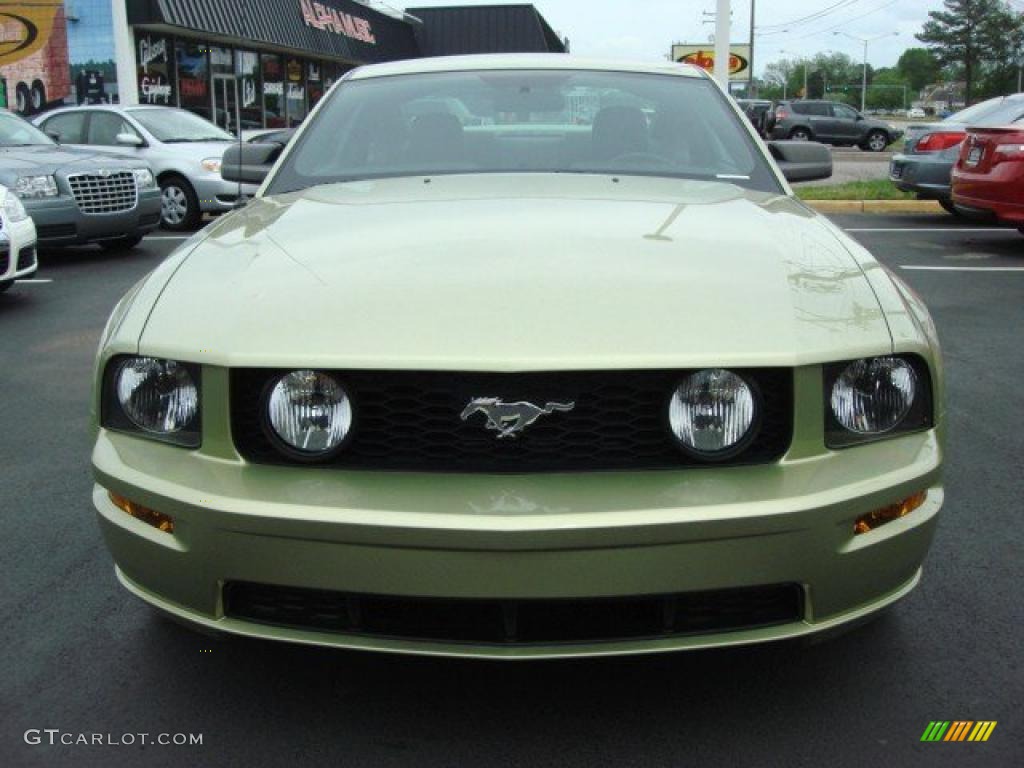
703	56
328	19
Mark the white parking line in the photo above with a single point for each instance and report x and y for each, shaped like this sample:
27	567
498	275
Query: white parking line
965	269
931	229
33	281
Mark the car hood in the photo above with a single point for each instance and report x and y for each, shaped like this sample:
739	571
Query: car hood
49	160
519	272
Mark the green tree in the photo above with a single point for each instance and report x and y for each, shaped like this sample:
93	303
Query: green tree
973	34
918	67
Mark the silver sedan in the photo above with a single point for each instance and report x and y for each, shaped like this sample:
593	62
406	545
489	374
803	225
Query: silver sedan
183	149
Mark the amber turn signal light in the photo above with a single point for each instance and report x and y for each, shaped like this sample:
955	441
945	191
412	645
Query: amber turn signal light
879	517
149	516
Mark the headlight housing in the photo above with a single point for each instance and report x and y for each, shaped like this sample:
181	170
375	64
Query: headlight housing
713	414
153	397
144	178
307	414
14	211
876	397
211	164
35	186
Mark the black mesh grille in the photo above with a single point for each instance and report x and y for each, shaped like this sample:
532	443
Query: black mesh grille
26	258
411	421
516	621
5	258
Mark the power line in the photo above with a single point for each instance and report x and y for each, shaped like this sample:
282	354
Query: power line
812	16
881	7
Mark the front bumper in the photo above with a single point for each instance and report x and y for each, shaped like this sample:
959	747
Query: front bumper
926	176
17	250
215	194
519	537
59	221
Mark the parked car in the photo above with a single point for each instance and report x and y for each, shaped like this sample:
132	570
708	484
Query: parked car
931	149
988	178
757	111
183	149
17	240
831	123
528	388
916	113
76	196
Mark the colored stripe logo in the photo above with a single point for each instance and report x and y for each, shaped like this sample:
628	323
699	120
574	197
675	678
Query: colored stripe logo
958	730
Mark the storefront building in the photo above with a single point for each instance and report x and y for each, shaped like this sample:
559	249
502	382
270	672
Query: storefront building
243	64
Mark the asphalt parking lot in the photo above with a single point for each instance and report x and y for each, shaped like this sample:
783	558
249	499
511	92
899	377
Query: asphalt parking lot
84	657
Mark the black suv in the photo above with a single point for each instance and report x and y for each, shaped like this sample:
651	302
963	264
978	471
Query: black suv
830	123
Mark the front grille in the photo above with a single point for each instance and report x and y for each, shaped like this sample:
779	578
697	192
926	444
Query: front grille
55	231
96	193
410	421
523	622
26	258
5	258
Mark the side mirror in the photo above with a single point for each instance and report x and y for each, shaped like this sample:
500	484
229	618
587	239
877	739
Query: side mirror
802	160
249	163
54	135
129	140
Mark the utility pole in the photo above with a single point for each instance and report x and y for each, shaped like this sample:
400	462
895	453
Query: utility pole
750	63
722	23
864	66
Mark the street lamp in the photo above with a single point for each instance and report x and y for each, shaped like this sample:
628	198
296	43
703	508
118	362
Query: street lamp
864	71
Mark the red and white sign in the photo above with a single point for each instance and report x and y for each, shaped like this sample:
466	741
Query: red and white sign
328	19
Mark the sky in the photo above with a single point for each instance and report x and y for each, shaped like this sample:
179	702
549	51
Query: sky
645	29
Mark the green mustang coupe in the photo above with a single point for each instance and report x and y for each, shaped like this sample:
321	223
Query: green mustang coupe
519	357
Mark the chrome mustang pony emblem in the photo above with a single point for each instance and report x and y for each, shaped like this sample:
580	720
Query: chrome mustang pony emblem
509	419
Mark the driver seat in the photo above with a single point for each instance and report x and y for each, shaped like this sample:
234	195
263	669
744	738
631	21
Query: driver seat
618	131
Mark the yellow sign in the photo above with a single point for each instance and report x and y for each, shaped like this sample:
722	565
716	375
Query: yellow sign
25	28
703	56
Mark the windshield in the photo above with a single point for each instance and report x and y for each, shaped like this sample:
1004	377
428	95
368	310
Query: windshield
15	132
996	111
177	125
527	121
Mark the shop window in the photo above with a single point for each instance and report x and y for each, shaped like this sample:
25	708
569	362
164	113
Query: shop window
296	91
221	62
273	90
193	77
314	84
155	72
250	110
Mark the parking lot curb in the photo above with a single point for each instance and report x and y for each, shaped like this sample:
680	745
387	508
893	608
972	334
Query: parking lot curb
875	206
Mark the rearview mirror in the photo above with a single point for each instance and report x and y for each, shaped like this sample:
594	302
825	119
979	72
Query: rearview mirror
802	160
249	163
128	140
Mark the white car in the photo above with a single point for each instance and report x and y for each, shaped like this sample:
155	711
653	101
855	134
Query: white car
17	240
916	112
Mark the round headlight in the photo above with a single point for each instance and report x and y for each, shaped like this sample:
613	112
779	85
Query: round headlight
712	412
157	395
310	412
874	395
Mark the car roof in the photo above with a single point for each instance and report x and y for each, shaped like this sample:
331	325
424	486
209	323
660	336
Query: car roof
521	61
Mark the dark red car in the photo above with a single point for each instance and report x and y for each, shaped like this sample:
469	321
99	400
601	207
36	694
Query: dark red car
988	178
